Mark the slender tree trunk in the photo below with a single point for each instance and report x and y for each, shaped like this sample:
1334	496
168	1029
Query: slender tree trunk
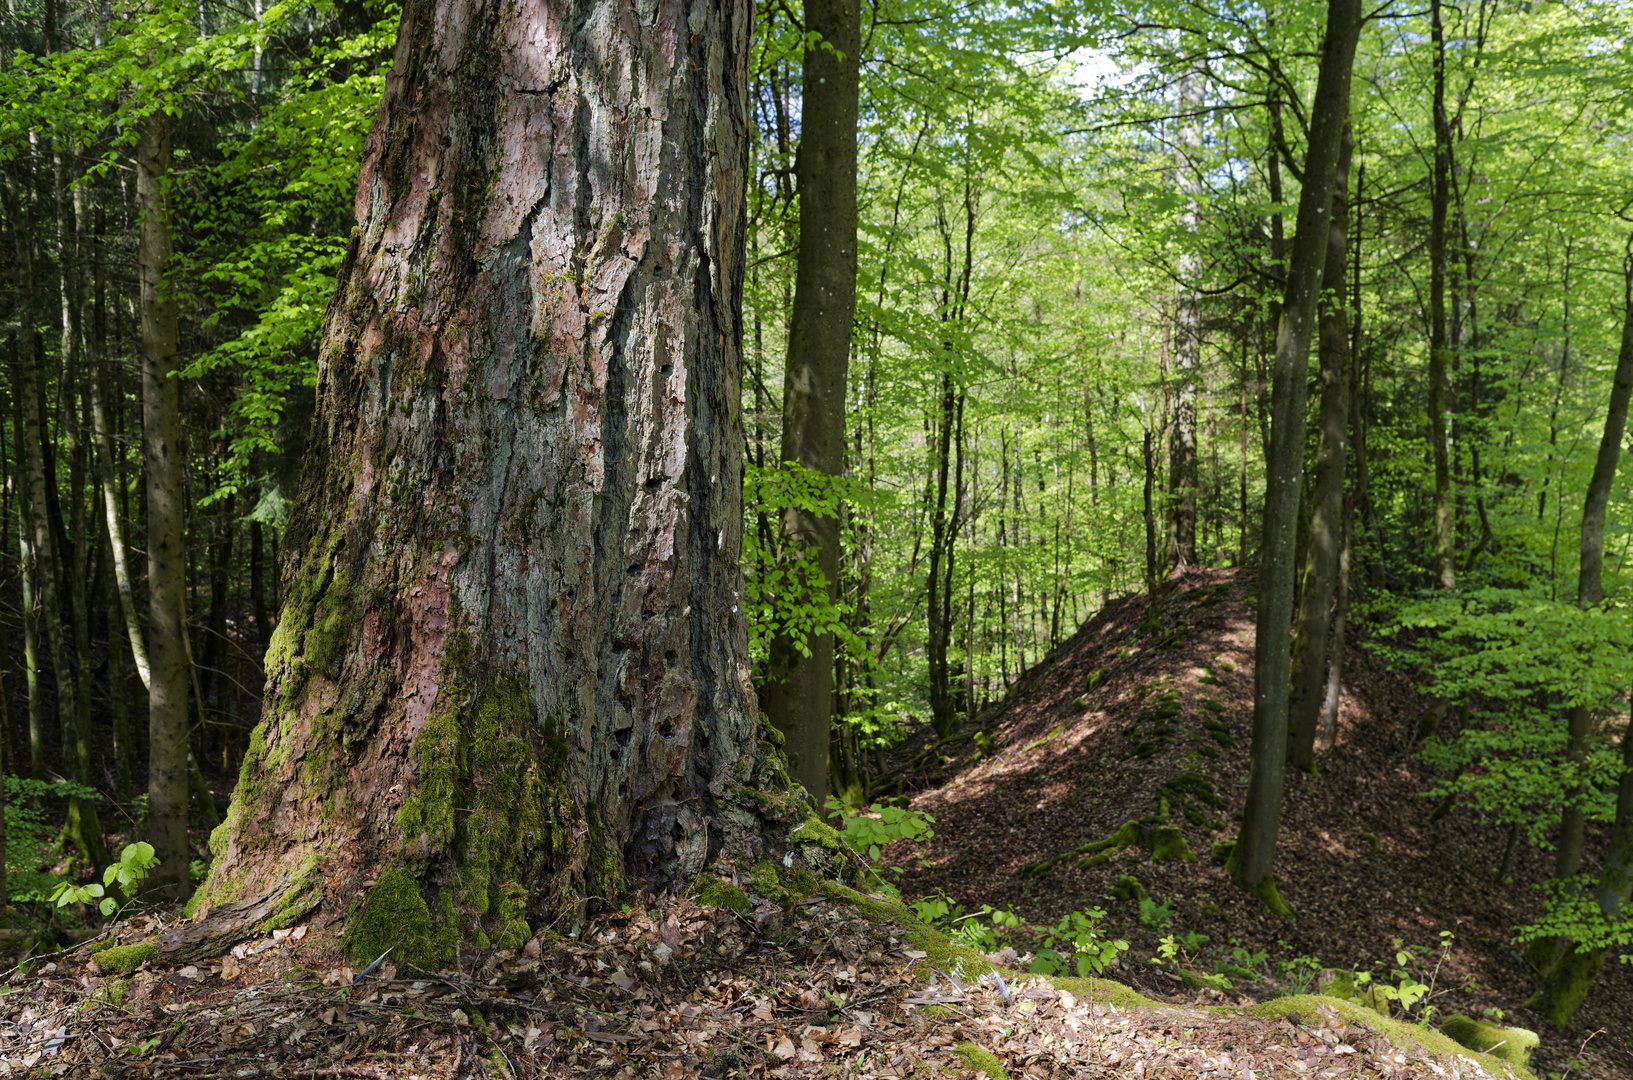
1567	983
1251	858
1326	519
799	686
1151	553
1439	343
163	458
23	360
1567	972
82	828
108	484
257	586
1182	463
511	679
1241	454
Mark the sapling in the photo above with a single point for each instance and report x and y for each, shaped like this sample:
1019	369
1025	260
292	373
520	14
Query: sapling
135	863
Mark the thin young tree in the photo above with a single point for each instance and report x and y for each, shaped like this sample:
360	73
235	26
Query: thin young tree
1251	859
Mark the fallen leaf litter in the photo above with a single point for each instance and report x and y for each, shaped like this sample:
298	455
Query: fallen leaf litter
674	992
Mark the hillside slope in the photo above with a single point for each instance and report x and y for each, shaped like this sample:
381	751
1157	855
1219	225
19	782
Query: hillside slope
1169	716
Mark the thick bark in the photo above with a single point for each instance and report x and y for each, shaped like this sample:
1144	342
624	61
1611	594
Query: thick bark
1439	341
163	458
511	670
799	687
1182	468
1251	858
1326	518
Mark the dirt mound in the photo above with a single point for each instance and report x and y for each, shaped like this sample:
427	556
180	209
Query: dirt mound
1146	713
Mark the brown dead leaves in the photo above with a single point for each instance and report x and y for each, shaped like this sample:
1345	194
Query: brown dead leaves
674	994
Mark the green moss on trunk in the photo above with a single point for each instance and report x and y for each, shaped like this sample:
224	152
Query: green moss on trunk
396	917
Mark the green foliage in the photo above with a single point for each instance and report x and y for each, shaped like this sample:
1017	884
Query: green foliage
27	833
124	876
293	181
968	928
1405	987
1077	944
1571	911
868	832
1298	975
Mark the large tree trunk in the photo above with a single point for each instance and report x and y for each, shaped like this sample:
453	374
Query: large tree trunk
799	685
1251	858
163	458
1569	972
1326	518
511	675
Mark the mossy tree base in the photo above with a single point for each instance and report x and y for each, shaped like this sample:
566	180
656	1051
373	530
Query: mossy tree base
1265	890
1566	985
1162	842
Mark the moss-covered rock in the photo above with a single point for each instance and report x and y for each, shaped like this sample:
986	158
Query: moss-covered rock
981	1060
1128	887
817	831
711	891
126	957
1306	1009
396	917
1511	1044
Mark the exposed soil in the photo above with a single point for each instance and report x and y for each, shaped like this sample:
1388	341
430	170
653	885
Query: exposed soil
1359	859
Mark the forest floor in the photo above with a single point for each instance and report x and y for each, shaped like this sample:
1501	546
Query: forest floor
1363	866
838	985
842	985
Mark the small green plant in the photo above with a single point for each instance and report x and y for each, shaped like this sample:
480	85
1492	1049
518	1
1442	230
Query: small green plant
1406	990
1155	916
967	928
1182	948
134	864
1240	962
1077	944
1298	975
868	832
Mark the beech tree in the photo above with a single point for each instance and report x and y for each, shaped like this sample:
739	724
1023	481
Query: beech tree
510	674
799	682
1250	860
